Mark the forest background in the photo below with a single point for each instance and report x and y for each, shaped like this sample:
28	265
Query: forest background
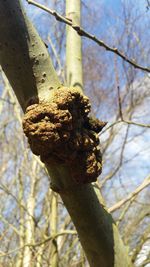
120	95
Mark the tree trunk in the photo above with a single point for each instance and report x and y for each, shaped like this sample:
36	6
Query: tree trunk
53	227
26	62
30	226
73	46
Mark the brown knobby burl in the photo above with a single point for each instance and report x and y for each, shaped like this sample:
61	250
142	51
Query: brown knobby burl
61	131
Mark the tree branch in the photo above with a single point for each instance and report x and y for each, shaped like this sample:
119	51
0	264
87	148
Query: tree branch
86	34
118	205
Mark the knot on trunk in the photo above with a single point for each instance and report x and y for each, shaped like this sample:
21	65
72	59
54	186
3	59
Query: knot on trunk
61	131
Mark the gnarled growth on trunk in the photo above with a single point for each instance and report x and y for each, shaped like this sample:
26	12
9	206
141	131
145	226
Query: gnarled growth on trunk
62	131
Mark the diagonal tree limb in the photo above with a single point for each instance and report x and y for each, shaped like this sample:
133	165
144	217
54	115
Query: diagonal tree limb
86	34
119	204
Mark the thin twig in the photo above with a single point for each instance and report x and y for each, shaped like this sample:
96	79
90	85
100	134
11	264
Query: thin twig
127	122
136	123
118	205
118	89
108	177
86	34
65	232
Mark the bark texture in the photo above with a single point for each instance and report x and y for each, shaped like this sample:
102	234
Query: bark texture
61	131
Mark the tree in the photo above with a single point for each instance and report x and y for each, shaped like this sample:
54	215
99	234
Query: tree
43	82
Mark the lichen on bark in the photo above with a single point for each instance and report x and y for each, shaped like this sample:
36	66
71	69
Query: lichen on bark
61	131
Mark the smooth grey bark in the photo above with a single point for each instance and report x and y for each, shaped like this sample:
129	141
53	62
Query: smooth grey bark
26	62
73	52
23	55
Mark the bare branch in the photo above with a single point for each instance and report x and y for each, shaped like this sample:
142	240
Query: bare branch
127	122
86	34
145	236
65	232
145	183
